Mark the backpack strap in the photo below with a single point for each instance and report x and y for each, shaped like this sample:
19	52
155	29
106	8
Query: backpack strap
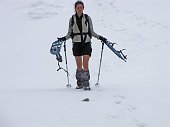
71	25
72	20
87	21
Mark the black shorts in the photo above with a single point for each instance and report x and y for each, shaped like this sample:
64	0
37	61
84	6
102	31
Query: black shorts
80	49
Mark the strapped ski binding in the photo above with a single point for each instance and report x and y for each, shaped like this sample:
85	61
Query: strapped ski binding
55	50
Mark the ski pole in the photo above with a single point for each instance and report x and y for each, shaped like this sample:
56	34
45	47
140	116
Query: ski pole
100	64
68	85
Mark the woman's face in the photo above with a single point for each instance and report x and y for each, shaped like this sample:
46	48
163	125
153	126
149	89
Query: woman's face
79	9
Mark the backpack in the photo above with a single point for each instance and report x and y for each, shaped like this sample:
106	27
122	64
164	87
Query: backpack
87	21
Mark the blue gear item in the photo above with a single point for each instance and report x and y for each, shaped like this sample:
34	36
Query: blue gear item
55	49
118	53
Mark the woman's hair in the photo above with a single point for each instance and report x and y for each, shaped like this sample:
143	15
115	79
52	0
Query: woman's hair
78	2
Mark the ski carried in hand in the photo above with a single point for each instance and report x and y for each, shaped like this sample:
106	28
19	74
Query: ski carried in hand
55	49
118	53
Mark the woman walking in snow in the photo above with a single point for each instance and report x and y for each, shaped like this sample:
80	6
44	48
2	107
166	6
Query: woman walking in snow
81	32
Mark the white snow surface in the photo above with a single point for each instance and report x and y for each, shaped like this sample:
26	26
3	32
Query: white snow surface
135	93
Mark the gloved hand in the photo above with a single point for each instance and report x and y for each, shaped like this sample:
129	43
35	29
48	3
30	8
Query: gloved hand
102	38
61	38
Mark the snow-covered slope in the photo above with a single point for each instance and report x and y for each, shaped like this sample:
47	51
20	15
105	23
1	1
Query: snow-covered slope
131	94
